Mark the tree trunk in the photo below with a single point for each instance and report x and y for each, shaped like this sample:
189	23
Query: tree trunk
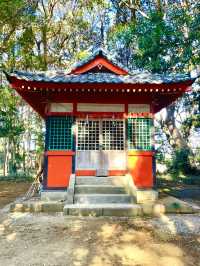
159	6
178	141
13	168
44	41
6	157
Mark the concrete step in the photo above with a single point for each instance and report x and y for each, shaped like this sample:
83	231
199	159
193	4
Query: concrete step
94	180
121	210
102	198
99	189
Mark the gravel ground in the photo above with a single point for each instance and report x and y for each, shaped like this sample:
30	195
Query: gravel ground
9	191
54	240
178	224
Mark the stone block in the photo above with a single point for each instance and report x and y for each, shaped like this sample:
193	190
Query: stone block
133	211
159	209
99	189
174	205
145	195
16	207
102	198
110	180
147	208
52	207
53	195
153	209
77	210
70	191
35	207
26	207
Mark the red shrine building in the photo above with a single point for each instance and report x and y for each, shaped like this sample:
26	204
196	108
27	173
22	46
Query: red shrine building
99	119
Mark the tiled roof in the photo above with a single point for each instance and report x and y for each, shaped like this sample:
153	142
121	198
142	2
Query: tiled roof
134	78
99	52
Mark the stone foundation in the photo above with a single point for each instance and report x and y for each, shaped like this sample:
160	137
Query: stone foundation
145	195
53	195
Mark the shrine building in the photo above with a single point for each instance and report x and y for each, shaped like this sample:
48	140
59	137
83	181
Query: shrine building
99	119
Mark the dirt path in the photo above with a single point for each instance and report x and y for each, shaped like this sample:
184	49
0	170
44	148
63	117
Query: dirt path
27	239
9	191
54	240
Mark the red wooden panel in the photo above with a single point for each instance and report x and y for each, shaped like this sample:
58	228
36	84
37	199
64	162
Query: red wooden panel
117	172
140	164
85	172
59	170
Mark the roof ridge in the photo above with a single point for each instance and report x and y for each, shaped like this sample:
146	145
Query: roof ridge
103	52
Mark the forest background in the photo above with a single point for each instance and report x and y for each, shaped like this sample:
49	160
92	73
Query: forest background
159	36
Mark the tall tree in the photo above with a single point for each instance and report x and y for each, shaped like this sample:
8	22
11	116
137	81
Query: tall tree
163	38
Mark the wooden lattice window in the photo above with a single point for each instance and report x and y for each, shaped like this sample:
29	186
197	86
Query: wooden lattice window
88	135
100	135
113	135
139	134
59	133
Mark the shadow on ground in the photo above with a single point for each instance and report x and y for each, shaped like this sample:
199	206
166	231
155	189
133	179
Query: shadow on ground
27	239
9	191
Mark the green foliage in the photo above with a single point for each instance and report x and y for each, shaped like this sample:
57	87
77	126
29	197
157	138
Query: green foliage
41	35
10	124
160	44
180	161
180	164
164	40
152	46
159	156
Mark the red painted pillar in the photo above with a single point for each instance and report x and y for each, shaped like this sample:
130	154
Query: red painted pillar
140	166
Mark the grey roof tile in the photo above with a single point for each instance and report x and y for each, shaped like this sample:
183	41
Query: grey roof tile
135	78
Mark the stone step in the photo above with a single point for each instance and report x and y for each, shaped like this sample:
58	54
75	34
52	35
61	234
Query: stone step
121	210
99	189
94	180
102	198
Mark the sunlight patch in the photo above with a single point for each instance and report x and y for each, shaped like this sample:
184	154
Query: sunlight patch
2	229
18	215
167	249
11	237
108	231
169	224
166	261
80	253
132	254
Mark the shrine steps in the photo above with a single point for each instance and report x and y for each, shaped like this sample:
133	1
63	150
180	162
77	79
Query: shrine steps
101	196
115	209
93	180
96	189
